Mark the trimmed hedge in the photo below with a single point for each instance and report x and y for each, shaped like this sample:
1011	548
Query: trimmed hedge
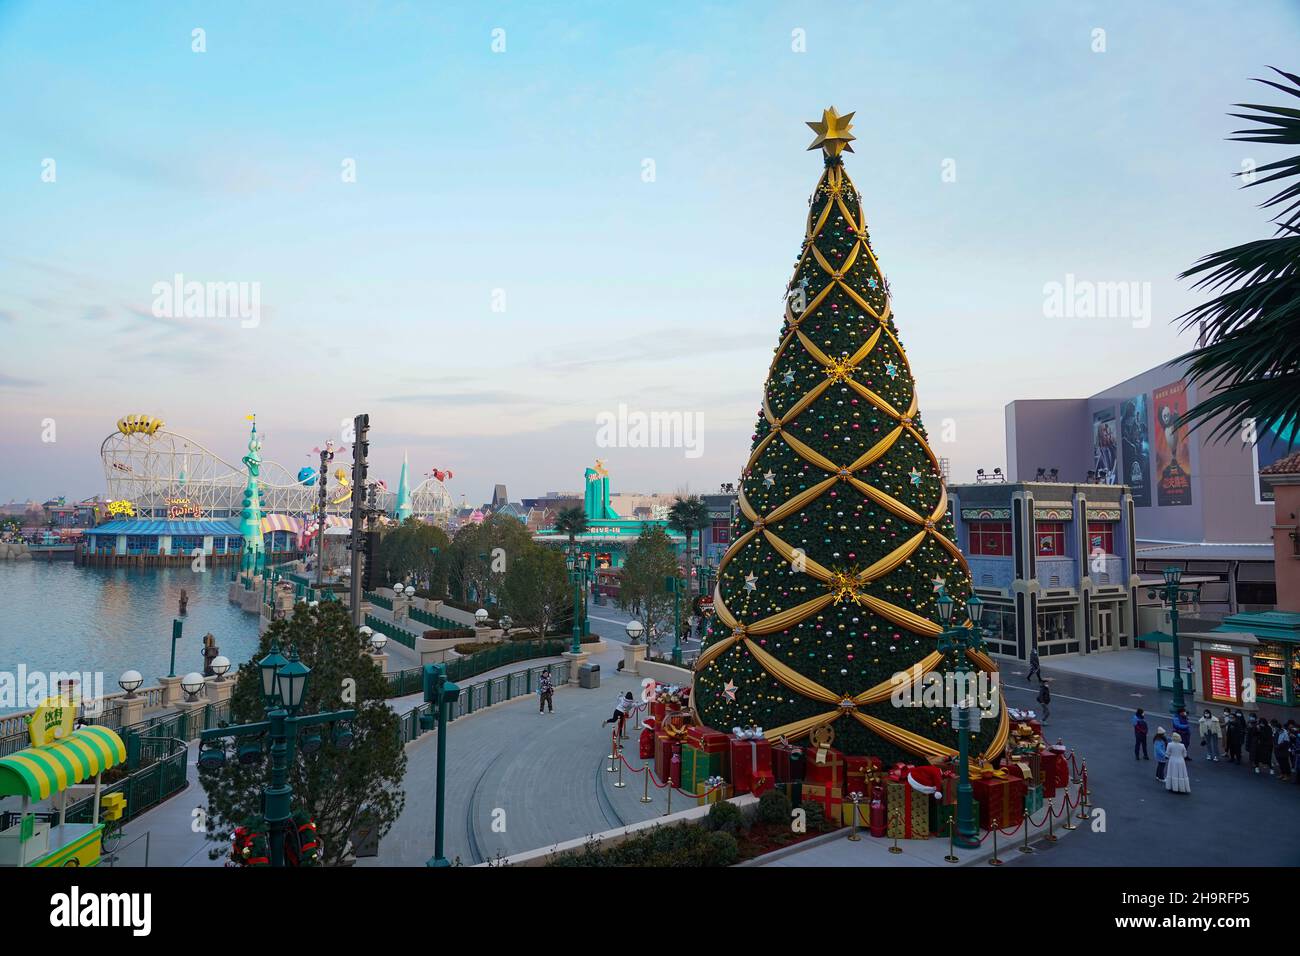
684	844
449	634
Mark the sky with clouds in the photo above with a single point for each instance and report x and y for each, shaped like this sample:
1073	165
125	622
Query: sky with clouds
486	178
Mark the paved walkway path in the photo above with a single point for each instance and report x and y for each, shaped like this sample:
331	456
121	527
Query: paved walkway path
173	841
520	780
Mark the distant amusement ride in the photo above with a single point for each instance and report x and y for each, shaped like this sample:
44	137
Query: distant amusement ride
163	485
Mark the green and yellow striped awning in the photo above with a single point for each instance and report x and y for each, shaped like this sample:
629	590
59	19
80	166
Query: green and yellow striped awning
38	772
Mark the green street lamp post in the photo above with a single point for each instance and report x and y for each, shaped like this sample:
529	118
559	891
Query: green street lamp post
961	640
284	688
587	575
575	575
675	584
439	693
1171	595
176	636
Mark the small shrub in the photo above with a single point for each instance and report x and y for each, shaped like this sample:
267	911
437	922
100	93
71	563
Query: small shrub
447	634
722	849
725	817
814	814
774	808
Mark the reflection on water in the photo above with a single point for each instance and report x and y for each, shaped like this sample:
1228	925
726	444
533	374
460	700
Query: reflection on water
60	617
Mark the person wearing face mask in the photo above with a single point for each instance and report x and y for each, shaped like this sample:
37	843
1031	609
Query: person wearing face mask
1211	733
1233	731
1261	750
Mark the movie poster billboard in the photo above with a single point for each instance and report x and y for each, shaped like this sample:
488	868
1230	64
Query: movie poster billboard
1270	445
1173	455
1105	446
1135	449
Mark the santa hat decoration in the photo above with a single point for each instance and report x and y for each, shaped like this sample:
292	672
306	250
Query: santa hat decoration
926	780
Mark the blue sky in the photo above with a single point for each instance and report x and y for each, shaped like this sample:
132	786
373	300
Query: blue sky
522	171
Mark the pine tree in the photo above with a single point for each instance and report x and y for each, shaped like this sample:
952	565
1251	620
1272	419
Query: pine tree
843	542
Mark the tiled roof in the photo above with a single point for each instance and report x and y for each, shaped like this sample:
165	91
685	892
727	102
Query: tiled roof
1290	465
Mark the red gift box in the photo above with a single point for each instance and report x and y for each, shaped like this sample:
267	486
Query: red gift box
751	765
1056	772
948	787
707	739
646	743
857	774
1001	797
664	748
658	709
829	771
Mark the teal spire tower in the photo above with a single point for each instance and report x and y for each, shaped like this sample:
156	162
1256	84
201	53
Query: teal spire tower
403	510
250	518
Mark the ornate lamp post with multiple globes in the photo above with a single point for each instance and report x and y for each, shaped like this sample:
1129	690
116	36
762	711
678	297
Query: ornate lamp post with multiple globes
284	688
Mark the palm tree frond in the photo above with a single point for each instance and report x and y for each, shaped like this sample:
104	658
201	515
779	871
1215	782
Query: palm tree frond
1247	365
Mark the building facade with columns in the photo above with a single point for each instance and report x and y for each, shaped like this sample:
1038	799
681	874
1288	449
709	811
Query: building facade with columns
1053	562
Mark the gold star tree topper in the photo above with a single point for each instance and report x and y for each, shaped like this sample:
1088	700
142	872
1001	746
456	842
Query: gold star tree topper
833	132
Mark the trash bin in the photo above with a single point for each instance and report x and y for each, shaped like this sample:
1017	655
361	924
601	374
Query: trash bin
589	676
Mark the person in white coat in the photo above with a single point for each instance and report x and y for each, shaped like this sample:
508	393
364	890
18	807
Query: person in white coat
1176	778
1211	735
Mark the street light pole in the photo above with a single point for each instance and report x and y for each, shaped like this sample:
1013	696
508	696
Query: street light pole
322	476
961	640
284	688
574	576
176	636
1171	595
438	693
675	583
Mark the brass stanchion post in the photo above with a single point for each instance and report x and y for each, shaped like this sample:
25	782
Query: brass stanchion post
855	796
619	784
895	817
645	797
1065	813
995	861
952	856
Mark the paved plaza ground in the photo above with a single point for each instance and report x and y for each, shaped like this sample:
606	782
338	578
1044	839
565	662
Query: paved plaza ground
520	780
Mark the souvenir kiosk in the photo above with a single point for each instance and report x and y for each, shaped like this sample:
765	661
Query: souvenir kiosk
58	758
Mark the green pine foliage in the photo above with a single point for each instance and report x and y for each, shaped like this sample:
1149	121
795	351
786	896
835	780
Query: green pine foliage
334	787
846	648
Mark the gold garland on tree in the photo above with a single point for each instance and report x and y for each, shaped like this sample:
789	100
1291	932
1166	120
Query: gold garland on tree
833	137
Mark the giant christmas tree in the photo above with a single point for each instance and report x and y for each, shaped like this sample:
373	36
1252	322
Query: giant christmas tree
843	544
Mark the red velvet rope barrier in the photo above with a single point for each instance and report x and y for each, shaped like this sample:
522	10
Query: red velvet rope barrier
1049	811
655	780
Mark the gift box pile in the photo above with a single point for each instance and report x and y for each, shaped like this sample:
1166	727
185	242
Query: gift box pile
742	759
668	699
907	809
705	753
823	782
1001	796
1028	717
751	761
1044	769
